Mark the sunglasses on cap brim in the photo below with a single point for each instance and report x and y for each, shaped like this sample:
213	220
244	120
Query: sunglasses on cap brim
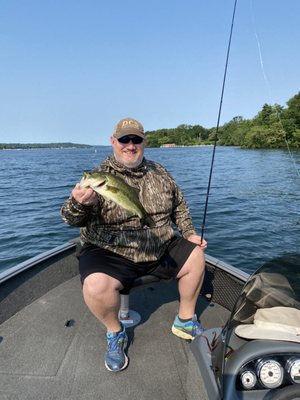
134	139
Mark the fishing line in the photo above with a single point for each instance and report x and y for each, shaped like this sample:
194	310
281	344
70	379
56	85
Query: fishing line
218	123
268	86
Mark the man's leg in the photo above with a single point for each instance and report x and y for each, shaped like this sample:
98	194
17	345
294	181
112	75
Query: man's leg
101	294
190	282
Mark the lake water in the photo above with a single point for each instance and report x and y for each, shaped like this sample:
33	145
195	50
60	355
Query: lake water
253	210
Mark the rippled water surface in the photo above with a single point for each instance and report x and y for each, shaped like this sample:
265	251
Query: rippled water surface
253	210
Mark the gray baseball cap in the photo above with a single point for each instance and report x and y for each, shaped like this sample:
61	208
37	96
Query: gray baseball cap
129	126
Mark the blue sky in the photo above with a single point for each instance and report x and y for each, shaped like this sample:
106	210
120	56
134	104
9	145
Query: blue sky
69	70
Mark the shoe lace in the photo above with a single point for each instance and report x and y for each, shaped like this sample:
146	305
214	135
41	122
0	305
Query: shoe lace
197	328
115	343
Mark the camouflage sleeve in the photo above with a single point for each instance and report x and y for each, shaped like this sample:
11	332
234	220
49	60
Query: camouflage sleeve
74	213
181	215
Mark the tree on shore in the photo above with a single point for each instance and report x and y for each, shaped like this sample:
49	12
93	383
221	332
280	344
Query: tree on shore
273	127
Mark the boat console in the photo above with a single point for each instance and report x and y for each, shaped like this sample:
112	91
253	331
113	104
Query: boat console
256	355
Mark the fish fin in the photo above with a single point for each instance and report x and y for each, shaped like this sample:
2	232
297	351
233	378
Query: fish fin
112	189
136	190
147	221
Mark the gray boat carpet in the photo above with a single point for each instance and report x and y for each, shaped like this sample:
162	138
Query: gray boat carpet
53	349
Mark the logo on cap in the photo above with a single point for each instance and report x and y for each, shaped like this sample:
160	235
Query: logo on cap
130	123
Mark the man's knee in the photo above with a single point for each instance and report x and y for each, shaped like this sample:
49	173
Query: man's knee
196	259
194	265
198	264
98	284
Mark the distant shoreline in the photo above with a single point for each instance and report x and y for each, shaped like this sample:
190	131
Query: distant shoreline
57	146
27	146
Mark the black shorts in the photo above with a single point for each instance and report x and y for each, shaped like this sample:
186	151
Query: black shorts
95	259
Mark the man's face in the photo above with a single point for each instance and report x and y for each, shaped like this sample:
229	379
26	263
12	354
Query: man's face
128	154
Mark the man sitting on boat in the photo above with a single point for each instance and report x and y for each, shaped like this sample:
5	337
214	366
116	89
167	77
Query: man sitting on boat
126	232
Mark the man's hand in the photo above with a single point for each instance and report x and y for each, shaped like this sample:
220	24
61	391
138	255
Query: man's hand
197	239
85	196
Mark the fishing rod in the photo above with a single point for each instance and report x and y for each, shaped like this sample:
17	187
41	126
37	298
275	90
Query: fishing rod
218	123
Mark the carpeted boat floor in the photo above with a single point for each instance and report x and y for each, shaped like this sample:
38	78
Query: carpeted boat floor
54	349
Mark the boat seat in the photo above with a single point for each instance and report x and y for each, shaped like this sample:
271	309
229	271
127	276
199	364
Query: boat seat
127	316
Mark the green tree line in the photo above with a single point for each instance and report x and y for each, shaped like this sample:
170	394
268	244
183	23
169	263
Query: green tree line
273	127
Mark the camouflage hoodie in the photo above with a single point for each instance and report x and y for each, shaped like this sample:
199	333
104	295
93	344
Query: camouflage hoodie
109	226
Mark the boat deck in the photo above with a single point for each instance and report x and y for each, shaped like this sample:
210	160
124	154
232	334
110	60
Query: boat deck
54	349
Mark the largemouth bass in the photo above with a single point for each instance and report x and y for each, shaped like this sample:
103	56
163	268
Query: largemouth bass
114	188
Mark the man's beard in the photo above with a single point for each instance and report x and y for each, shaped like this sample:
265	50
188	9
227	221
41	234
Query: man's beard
129	164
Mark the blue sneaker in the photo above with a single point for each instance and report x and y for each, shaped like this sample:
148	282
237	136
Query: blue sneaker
187	330
115	357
